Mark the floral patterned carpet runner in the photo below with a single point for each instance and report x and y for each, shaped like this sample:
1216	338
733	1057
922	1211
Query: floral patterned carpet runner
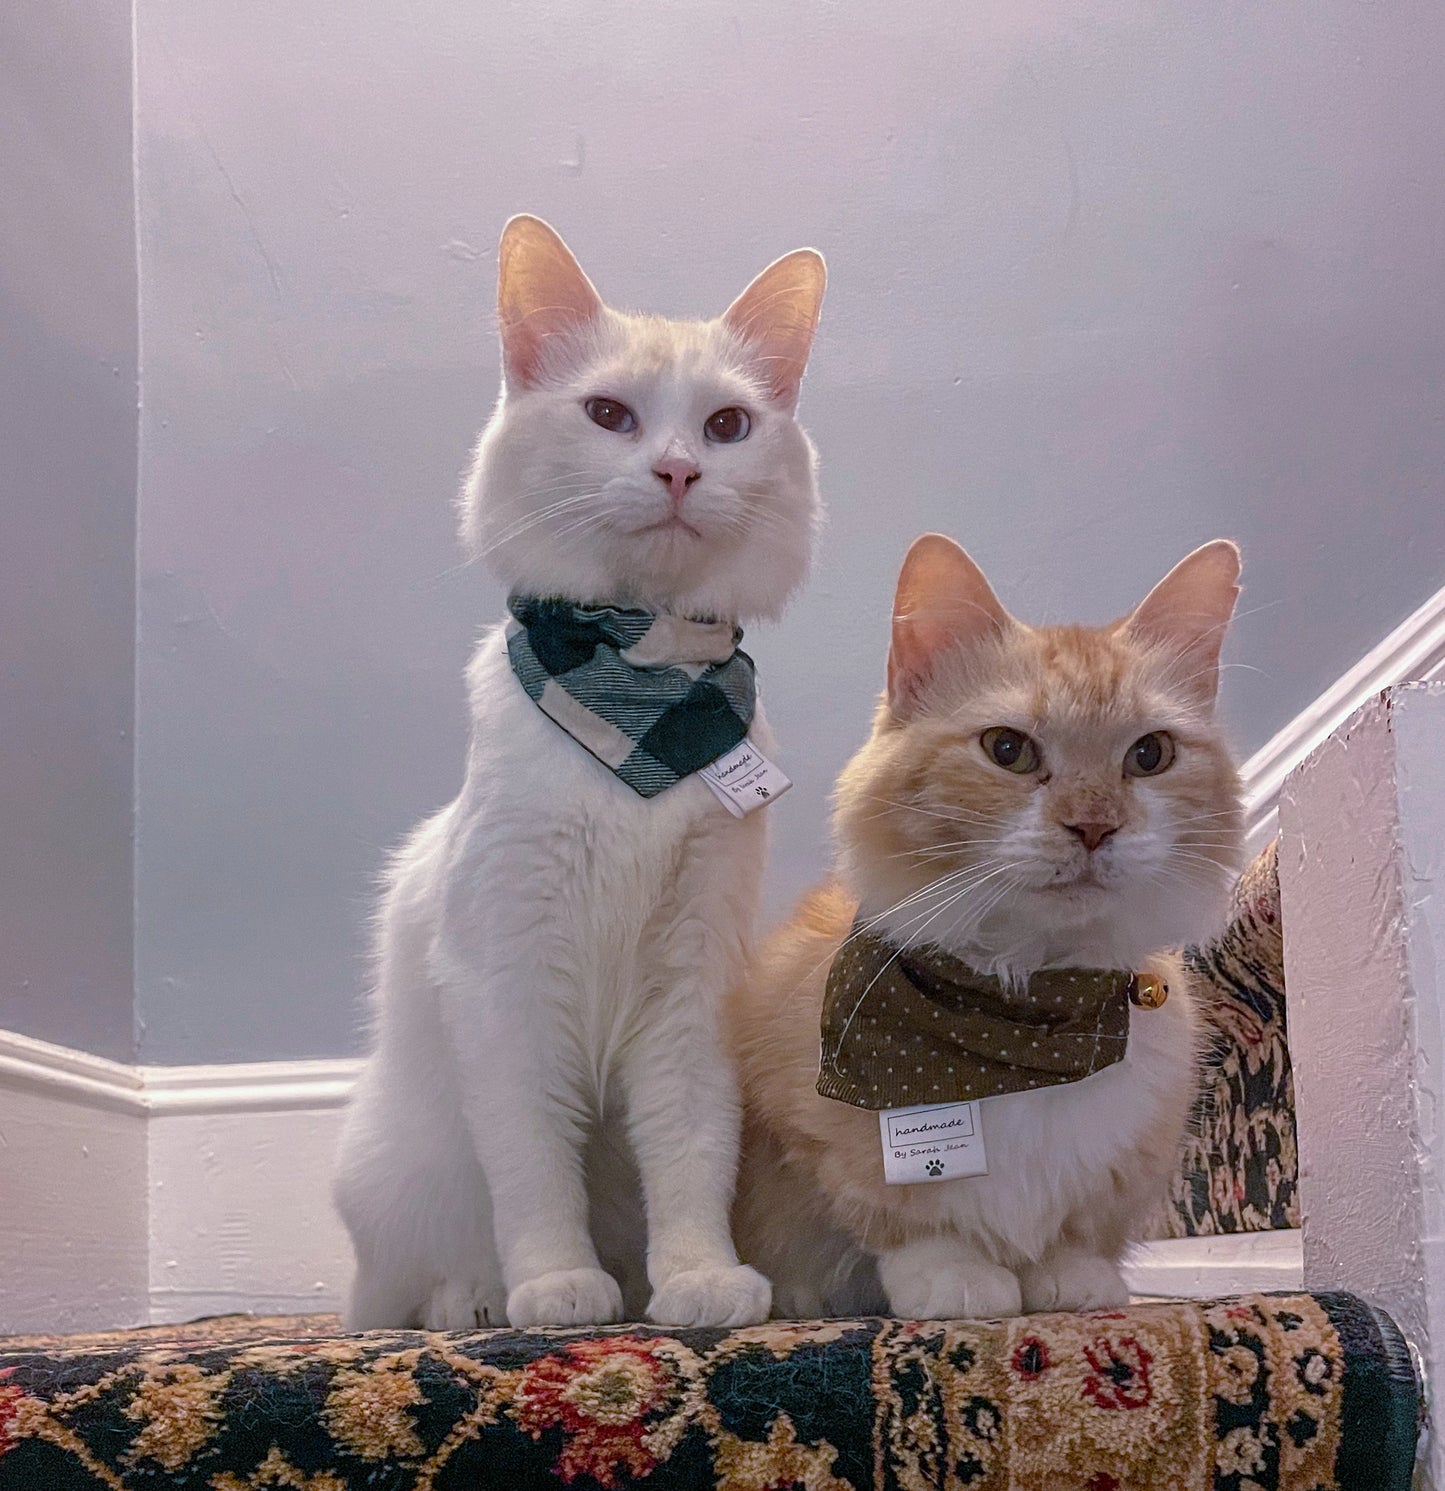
1260	1393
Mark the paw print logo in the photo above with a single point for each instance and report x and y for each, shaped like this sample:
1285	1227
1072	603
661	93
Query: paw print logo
762	792
934	1167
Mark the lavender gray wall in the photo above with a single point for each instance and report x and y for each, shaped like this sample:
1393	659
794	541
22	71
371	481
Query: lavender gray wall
1109	278
67	521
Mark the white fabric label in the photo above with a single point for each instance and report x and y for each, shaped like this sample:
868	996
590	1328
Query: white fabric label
744	779
938	1141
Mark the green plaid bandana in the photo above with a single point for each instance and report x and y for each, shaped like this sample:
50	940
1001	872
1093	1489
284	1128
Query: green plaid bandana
653	697
904	1026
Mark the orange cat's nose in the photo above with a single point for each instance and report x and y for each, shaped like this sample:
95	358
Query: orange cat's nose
677	474
1091	835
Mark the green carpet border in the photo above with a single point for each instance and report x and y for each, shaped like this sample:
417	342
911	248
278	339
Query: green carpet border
1381	1387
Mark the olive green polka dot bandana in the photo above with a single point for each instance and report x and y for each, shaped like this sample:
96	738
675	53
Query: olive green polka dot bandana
904	1026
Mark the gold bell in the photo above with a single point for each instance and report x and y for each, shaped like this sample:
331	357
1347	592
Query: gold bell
1147	991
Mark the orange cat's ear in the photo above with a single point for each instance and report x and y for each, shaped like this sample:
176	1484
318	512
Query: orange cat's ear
1187	612
541	294
943	603
776	317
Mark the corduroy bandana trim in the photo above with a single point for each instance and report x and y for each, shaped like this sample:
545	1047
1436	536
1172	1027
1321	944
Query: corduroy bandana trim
653	697
906	1026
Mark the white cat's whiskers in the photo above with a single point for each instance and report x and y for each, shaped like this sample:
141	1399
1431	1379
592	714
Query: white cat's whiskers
548	489
595	519
536	519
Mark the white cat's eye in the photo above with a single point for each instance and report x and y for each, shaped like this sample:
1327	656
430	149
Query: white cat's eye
727	426
1010	749
611	414
1149	755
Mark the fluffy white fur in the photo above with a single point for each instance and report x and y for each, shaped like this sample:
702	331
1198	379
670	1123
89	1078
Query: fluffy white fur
938	845
552	948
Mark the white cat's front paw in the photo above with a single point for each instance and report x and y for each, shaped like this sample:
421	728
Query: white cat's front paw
1073	1281
728	1296
573	1296
463	1306
927	1288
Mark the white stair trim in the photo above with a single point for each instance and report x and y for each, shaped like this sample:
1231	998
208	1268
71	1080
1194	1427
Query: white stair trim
1413	653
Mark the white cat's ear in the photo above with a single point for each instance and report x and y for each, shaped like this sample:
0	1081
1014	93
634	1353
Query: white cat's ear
943	604
542	295
776	317
1187	612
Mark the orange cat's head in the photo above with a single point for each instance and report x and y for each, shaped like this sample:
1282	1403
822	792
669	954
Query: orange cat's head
1043	795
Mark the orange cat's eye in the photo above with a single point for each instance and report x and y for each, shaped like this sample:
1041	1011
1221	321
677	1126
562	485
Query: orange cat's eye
1010	749
1149	755
611	414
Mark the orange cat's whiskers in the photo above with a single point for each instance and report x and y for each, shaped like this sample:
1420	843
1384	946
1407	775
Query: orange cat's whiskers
925	857
961	816
1176	854
942	849
958	885
934	887
912	938
862	928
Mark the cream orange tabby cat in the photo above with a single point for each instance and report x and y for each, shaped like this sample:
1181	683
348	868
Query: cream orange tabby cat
554	945
1031	798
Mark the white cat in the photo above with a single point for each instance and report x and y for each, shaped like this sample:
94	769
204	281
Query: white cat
553	949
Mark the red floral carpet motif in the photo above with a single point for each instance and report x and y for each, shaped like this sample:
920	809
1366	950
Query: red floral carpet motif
602	1395
1120	1375
10	1399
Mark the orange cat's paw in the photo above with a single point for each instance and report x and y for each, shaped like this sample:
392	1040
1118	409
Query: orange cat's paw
923	1285
1073	1281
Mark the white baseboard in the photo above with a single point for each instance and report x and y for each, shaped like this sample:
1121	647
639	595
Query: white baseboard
72	1201
158	1195
135	1195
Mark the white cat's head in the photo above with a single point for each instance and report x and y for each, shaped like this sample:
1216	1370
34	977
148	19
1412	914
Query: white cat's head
644	461
1049	794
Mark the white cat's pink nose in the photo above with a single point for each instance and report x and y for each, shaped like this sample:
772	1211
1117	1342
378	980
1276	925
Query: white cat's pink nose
677	474
1091	835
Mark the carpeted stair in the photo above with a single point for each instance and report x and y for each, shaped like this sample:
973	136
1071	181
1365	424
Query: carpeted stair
1294	1392
1266	1391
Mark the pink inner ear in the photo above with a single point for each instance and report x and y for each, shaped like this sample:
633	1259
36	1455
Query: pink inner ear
1189	610
943	604
776	317
916	647
543	298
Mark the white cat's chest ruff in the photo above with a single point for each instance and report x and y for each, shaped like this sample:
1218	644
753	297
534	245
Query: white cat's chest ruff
544	837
